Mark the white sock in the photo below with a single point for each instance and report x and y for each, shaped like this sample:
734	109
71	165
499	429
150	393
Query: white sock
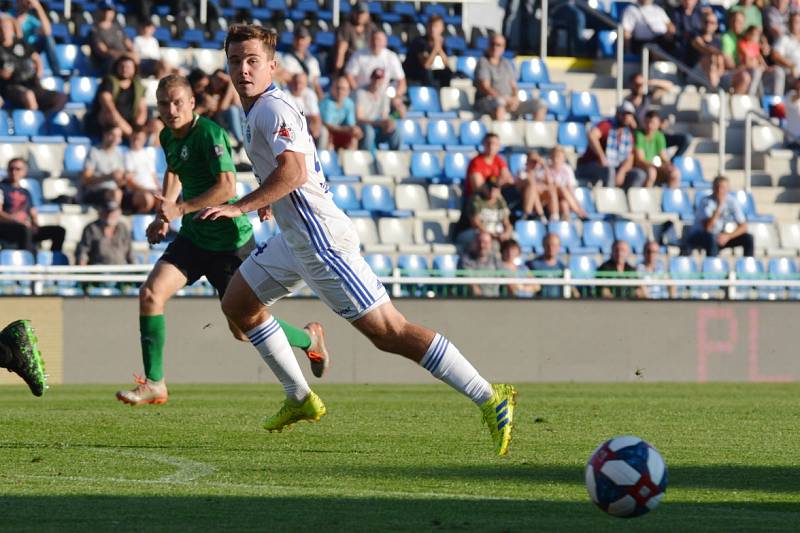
273	346
445	362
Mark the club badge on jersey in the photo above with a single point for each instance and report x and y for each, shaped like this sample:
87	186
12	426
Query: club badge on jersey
285	132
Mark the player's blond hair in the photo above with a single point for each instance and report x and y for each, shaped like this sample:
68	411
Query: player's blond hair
239	33
173	80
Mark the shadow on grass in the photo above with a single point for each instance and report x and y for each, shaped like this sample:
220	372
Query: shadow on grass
118	513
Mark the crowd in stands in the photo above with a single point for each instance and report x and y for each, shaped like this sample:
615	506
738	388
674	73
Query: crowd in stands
354	97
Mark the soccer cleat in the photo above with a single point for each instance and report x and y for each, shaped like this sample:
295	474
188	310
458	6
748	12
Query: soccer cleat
311	409
318	352
26	360
146	391
498	414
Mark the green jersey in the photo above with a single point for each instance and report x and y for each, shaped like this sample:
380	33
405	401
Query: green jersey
198	159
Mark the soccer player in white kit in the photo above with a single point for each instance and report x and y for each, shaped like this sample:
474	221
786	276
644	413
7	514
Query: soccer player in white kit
318	246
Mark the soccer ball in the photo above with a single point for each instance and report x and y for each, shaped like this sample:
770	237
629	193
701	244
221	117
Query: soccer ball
626	477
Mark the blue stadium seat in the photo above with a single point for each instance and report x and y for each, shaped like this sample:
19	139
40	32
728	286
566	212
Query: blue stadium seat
750	268
330	163
5	123
34	187
379	200
441	132
60	31
691	171
534	71
139	225
68	58
410	132
516	162
466	66
714	268
381	264
346	198
53	83
607	41
573	134
16	258
783	268
677	201
74	158
632	233
597	234
584	106
472	132
28	123
582	266
455	44
446	265
51	258
556	102
424	99
412	265
455	166
425	164
568	233
82	89
196	36
530	234
584	198
748	204
682	267
64	124
618	7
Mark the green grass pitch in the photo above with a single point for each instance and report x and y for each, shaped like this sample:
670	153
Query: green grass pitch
389	458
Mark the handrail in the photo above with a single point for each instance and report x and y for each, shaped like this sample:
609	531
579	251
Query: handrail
753	114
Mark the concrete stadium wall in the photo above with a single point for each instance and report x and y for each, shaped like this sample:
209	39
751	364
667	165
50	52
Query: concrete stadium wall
97	341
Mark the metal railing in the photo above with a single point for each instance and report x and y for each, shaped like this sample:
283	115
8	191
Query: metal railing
758	116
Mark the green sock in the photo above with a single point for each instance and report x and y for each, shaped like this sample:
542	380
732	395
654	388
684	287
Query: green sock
297	337
153	333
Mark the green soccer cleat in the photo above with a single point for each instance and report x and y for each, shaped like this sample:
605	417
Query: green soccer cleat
498	414
26	360
311	409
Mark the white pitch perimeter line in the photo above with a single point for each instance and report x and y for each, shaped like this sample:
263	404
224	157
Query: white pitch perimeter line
187	470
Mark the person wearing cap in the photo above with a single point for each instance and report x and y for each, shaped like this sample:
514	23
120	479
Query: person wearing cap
120	100
363	63
354	35
609	155
373	114
106	241
107	39
300	60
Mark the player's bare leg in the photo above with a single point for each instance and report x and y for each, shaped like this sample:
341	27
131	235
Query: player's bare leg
249	314
162	283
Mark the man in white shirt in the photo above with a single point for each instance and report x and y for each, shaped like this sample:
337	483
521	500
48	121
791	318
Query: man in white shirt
719	222
786	50
647	23
305	99
318	245
364	62
300	61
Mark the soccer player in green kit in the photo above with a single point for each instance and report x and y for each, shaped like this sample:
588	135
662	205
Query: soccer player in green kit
199	164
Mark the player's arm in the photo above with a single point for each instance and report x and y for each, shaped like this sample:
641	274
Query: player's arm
170	190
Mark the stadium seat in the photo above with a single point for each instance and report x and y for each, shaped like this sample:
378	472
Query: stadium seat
399	232
52	83
46	158
358	163
381	264
472	133
68	58
750	268
412	197
345	197
51	258
367	231
540	134
785	269
330	163
516	162
741	104
584	198
394	163
441	132
582	266
611	200
790	235
745	199
426	165
53	188
510	132
684	267
534	71
607	42
446	265
28	123
691	171
453	99
765	236
64	124
597	234
556	102
74	158
455	166
713	268
5	123
677	201
82	89
568	234
424	99
530	234
646	202
584	106
443	196
410	132
466	66
434	233
632	233
377	199
34	188
16	258
573	134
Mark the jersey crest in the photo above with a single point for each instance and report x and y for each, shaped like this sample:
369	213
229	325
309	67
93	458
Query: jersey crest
286	132
184	152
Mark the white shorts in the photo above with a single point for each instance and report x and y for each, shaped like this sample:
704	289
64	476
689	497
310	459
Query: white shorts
344	281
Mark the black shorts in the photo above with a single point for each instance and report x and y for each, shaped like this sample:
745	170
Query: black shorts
195	262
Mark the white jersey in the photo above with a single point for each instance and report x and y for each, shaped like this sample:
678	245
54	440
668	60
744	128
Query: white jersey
308	217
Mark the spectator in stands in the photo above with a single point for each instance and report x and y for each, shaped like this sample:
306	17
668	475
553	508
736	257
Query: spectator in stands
496	86
482	259
119	102
486	212
750	12
792	108
512	266
20	71
549	262
644	102
616	267
299	60
36	30
103	173
704	52
488	165
651	154
786	50
149	51
776	19
558	174
735	76
426	61
609	155
688	20
719	223
373	114
763	75
106	241
107	39
354	35
18	219
363	63
535	190
646	23
652	268
141	180
338	114
216	98
304	97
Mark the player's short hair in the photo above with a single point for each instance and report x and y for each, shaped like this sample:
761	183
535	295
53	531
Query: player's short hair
173	80
239	33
